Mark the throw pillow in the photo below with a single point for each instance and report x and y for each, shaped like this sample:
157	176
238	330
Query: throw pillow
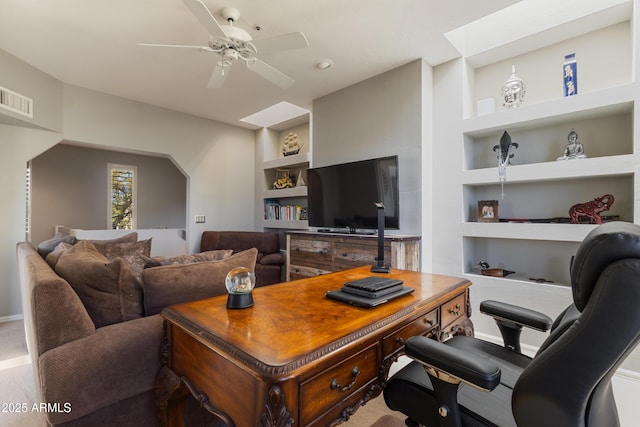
173	284
53	256
46	247
216	255
114	250
126	238
108	289
132	253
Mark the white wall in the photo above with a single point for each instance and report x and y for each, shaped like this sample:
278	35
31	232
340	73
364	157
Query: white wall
378	117
217	158
18	145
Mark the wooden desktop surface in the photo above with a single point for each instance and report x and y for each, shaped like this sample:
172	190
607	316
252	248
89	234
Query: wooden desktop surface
294	331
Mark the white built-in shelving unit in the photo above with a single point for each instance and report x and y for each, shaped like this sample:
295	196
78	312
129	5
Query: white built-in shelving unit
295	198
538	186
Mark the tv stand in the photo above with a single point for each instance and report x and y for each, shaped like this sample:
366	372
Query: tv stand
315	253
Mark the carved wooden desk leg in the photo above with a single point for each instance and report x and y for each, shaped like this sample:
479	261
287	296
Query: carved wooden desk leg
171	394
275	412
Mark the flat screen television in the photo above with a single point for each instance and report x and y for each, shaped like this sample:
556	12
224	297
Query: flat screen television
342	197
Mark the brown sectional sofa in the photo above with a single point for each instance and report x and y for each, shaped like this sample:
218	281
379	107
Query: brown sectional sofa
269	262
106	375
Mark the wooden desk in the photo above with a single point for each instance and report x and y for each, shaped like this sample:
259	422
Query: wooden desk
296	357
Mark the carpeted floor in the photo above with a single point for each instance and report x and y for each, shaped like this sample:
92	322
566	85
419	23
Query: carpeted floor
17	388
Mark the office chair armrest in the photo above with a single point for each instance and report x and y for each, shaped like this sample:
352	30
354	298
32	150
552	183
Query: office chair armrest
503	312
463	366
510	320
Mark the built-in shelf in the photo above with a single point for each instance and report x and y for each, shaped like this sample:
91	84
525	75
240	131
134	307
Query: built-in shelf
285	193
293	161
291	225
537	185
290	202
608	101
557	170
527	231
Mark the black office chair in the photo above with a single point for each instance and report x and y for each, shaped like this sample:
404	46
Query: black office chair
471	382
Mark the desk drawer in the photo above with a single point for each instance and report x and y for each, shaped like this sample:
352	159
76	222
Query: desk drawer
335	384
453	310
421	326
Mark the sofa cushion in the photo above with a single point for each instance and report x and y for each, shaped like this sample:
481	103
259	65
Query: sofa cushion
272	259
109	290
266	242
173	284
216	255
46	247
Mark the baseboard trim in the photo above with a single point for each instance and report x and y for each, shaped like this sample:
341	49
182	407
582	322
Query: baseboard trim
11	318
531	350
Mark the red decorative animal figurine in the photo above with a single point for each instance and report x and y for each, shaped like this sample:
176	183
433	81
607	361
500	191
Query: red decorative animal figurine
591	209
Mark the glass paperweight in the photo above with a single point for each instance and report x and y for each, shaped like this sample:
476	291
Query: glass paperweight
240	282
513	90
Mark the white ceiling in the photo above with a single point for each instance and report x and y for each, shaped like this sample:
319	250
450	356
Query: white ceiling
93	44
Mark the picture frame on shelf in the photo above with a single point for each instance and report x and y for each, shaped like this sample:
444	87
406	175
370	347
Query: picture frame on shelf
488	211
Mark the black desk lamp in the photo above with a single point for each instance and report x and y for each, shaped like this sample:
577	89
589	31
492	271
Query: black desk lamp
379	267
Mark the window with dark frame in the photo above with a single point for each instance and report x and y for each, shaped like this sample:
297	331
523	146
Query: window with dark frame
122	182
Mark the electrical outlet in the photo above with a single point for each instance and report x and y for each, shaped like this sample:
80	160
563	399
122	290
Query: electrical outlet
200	219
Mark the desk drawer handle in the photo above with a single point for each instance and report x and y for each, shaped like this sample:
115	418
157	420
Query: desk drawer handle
355	372
455	311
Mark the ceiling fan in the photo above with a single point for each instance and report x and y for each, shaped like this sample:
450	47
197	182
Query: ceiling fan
234	43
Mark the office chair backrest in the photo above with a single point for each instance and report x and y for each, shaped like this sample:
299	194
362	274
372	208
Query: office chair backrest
568	383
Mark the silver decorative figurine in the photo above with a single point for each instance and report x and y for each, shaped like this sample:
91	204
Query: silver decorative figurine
513	90
573	149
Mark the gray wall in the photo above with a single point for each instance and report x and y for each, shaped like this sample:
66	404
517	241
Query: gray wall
378	117
208	153
44	90
70	187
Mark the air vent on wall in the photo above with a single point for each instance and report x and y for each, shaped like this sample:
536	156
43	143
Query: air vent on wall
15	102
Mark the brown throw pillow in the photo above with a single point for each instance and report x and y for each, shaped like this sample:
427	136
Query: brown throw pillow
127	238
52	258
216	255
173	284
108	289
118	249
134	254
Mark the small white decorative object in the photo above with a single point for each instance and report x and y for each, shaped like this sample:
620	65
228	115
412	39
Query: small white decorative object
513	90
486	106
300	180
291	144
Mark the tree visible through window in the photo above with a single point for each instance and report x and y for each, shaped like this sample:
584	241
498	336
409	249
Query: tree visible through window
122	196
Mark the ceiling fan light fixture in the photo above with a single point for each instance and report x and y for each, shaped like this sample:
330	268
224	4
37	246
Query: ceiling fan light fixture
236	33
230	54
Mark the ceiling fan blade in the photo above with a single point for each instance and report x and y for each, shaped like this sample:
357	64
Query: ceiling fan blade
268	72
202	14
282	42
218	76
175	45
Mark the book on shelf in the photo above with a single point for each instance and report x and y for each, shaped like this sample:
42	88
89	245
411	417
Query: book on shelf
273	210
